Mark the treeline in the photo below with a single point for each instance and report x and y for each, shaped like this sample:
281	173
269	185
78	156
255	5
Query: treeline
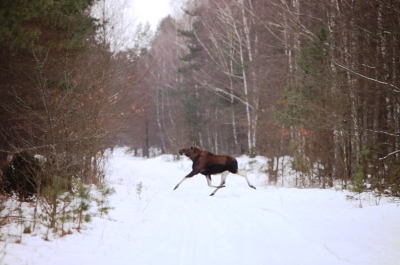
66	91
318	81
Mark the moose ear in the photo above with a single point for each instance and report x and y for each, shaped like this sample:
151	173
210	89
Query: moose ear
193	144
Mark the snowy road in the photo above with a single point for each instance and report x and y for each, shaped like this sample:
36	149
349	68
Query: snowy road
238	225
205	230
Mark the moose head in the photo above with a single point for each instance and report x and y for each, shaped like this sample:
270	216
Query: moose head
190	151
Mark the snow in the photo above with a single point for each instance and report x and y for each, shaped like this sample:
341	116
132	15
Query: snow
156	225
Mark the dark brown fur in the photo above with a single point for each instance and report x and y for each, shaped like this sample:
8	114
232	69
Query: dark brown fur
209	164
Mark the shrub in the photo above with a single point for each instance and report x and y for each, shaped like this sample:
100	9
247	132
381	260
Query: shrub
23	176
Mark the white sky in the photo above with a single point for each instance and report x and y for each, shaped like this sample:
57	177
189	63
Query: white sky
151	11
124	15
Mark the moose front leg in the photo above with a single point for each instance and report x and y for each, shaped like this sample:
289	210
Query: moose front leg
191	174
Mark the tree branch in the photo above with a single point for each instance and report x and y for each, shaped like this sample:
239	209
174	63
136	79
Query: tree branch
396	89
392	153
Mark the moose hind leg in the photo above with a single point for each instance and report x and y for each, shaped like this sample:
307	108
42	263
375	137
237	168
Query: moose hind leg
208	177
223	179
244	174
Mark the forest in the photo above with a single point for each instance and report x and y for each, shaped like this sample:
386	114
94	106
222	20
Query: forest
318	81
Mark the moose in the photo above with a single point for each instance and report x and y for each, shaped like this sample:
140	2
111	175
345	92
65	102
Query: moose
209	164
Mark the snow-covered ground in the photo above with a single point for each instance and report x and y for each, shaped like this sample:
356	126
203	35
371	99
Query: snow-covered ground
156	225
